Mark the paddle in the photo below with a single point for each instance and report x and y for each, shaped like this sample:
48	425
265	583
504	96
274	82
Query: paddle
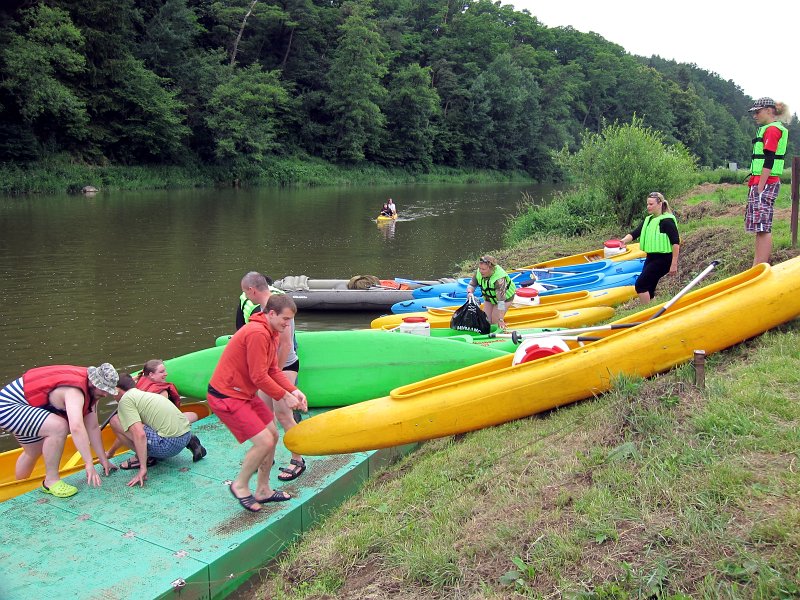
691	284
75	458
517	338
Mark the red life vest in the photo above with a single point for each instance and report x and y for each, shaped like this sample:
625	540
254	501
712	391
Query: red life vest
148	385
40	381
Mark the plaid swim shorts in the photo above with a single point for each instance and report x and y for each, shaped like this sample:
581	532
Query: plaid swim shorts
759	213
161	447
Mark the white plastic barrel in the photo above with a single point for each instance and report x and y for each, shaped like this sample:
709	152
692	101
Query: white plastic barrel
526	296
612	248
415	326
534	348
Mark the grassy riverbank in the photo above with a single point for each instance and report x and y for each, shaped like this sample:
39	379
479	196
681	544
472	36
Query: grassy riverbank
655	490
57	176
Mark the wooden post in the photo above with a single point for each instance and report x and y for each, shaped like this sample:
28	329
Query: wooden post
795	197
699	364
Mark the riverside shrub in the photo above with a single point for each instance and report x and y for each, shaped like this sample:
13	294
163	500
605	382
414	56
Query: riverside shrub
569	214
625	162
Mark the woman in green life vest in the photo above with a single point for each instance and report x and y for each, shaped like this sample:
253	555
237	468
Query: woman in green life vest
769	152
658	236
497	289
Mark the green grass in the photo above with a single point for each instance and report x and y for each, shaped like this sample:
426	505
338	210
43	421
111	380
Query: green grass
654	490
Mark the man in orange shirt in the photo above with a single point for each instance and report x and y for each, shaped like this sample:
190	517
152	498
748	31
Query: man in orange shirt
248	364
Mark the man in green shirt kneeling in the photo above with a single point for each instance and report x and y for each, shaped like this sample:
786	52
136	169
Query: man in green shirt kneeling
150	425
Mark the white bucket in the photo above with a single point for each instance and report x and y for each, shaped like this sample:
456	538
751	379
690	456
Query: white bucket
612	248
535	348
415	326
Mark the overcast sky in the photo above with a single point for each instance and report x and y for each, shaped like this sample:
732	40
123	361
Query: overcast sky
718	36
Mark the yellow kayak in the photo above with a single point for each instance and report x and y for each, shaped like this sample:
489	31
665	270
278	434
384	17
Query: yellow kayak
516	316
11	487
494	392
631	251
385	219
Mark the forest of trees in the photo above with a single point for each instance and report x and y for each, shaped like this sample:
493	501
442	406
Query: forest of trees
406	83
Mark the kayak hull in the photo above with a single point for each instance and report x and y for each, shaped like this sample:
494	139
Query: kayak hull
333	294
631	251
597	281
560	277
339	368
517	315
496	392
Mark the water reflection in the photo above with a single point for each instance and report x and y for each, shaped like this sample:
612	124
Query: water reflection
387	229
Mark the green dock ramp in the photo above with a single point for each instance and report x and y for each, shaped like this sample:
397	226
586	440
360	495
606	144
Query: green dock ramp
182	536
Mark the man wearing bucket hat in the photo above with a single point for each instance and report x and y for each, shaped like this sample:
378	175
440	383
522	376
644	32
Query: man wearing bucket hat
766	167
44	405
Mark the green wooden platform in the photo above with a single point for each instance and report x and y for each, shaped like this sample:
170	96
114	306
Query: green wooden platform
181	536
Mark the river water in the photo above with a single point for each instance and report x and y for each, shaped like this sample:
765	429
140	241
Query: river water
123	277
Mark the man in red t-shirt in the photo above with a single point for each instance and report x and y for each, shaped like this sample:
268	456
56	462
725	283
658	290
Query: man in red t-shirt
249	364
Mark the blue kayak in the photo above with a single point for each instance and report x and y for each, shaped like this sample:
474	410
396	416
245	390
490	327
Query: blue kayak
597	281
559	276
460	285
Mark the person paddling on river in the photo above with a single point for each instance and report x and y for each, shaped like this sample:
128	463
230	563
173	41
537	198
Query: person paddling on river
658	237
392	208
385	210
43	406
497	289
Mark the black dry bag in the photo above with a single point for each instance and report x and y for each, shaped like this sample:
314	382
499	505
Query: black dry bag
470	317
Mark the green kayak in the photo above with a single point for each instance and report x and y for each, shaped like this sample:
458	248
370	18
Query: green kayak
338	368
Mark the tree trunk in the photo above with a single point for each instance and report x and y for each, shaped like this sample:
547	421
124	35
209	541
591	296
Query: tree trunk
241	31
288	48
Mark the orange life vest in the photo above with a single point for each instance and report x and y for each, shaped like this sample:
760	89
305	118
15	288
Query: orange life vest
391	283
148	385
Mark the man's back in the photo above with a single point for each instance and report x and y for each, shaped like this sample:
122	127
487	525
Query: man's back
153	410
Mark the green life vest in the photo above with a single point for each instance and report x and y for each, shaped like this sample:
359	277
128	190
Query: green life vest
244	311
487	285
757	165
246	308
651	240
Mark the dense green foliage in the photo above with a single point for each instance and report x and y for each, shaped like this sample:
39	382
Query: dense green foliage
239	84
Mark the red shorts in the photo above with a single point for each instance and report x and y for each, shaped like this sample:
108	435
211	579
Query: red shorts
244	418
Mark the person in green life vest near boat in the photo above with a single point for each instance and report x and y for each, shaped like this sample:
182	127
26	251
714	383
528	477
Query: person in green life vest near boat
766	167
659	238
497	289
256	291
